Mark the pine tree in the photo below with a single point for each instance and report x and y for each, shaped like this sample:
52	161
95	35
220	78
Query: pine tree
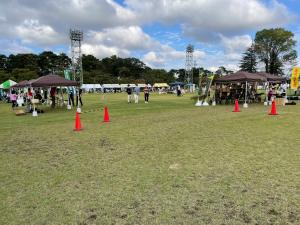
249	61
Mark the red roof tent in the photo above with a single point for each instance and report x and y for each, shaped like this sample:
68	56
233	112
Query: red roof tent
241	77
52	81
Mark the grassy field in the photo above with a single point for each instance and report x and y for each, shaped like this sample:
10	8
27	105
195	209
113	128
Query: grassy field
166	162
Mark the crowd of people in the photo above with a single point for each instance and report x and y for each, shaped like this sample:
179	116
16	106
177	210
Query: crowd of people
228	93
23	97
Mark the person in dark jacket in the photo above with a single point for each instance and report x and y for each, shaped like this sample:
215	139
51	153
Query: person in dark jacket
79	98
129	93
146	94
52	95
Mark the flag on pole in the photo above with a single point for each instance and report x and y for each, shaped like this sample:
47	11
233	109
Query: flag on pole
295	78
67	74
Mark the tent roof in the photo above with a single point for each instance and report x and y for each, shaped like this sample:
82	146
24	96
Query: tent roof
7	84
21	84
241	76
126	85
91	86
271	77
111	85
52	81
160	85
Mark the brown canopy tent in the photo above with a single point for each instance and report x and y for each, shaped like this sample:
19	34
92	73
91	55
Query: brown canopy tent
46	81
271	78
245	77
52	81
21	84
241	77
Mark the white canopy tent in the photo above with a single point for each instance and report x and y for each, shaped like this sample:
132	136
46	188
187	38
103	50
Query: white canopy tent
110	86
89	87
126	85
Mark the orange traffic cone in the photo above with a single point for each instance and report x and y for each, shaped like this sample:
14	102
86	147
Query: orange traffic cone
106	116
236	106
273	109
78	126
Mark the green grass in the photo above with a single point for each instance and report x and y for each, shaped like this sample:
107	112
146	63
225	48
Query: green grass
166	162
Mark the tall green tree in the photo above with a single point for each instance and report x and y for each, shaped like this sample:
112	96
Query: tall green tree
249	60
47	62
275	48
221	71
23	61
181	75
90	62
62	62
20	74
4	76
3	62
158	75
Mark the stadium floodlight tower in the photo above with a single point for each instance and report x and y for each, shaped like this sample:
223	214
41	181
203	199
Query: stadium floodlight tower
76	37
189	62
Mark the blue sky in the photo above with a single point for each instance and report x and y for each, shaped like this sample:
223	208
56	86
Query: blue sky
155	31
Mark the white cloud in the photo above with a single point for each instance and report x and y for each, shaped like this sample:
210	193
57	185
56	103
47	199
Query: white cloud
102	51
123	41
236	43
168	57
151	59
131	38
13	47
204	19
31	31
111	28
2	19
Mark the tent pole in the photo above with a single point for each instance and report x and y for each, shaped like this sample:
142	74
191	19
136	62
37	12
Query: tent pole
266	94
246	92
245	104
62	96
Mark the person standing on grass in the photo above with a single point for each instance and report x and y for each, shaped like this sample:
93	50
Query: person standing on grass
129	93
146	94
79	97
136	93
71	91
52	94
29	94
13	99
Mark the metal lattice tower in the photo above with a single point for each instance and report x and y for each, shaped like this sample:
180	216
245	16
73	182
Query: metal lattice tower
76	37
189	62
